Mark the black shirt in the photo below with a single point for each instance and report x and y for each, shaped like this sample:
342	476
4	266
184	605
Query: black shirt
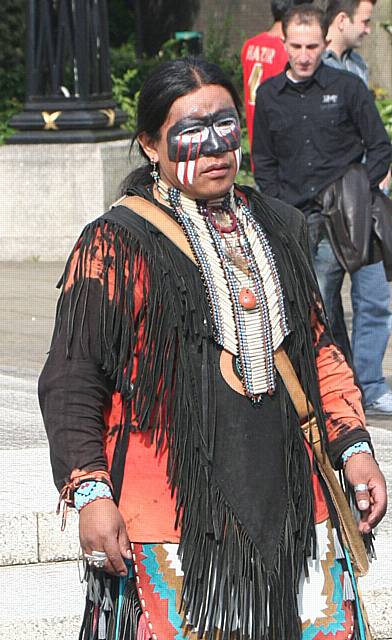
307	134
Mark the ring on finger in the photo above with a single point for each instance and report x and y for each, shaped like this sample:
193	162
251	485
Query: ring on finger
95	559
362	486
93	562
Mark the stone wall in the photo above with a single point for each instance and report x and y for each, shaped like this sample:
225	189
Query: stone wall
50	191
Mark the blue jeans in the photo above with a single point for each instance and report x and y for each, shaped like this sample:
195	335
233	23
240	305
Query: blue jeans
370	299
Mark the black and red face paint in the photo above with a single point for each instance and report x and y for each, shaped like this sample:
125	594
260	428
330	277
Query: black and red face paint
211	135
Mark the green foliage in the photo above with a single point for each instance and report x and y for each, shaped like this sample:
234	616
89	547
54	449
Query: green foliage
126	100
6	114
129	73
384	106
245	175
218	49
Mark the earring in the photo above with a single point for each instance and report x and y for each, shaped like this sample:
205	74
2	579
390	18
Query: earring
154	171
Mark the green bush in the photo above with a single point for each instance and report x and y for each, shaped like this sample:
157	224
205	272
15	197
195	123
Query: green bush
384	107
129	74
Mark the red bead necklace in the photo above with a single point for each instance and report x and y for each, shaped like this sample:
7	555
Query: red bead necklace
246	298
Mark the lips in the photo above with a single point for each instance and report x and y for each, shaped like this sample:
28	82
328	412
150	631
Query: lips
216	167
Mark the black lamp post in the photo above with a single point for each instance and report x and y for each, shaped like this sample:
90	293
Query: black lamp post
68	92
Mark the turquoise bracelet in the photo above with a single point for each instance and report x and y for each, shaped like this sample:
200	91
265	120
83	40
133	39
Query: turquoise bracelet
90	491
358	447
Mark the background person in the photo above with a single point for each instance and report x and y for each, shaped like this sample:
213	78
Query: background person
349	23
262	57
311	123
167	421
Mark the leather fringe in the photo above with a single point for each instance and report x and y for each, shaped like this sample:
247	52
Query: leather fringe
226	585
112	610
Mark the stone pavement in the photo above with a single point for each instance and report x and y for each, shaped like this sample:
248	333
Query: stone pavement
44	597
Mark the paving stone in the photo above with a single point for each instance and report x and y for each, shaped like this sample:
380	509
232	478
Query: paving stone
66	628
27	484
378	605
43	602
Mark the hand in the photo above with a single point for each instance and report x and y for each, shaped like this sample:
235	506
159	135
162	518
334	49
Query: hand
102	528
372	504
384	184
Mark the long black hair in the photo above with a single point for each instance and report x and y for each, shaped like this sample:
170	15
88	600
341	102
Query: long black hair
169	81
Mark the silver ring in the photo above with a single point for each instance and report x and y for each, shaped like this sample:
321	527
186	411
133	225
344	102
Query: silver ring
361	487
95	559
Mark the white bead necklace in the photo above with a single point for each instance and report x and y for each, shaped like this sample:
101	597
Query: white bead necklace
232	263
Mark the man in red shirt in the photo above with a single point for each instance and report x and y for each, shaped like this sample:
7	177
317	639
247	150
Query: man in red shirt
263	56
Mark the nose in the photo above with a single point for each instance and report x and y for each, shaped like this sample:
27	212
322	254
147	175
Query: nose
214	145
303	56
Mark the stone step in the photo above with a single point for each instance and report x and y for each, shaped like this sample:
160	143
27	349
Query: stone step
29	528
376	588
44	602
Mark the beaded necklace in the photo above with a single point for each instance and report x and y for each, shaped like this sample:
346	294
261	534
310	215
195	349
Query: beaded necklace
242	283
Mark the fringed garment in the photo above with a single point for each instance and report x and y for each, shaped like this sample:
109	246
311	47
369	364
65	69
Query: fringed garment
229	481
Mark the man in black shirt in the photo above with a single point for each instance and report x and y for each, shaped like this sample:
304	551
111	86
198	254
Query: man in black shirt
311	123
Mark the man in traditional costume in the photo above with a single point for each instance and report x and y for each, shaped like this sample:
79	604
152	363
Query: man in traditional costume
203	510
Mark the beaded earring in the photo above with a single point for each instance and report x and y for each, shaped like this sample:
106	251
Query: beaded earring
154	171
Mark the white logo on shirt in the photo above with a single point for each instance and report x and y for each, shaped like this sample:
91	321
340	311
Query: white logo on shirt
330	98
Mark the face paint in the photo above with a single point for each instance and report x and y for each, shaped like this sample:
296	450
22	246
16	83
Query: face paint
211	135
185	171
238	158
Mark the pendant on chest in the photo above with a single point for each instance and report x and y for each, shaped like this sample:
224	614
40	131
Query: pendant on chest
247	299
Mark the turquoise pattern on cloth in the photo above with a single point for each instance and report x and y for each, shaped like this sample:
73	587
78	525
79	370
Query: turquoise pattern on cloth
311	632
162	588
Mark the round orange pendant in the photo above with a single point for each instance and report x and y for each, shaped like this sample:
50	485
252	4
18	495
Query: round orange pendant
247	299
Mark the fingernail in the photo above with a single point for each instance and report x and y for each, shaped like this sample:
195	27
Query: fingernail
363	504
129	554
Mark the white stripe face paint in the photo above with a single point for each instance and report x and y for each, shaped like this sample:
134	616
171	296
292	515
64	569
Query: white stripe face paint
238	158
191	164
180	171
